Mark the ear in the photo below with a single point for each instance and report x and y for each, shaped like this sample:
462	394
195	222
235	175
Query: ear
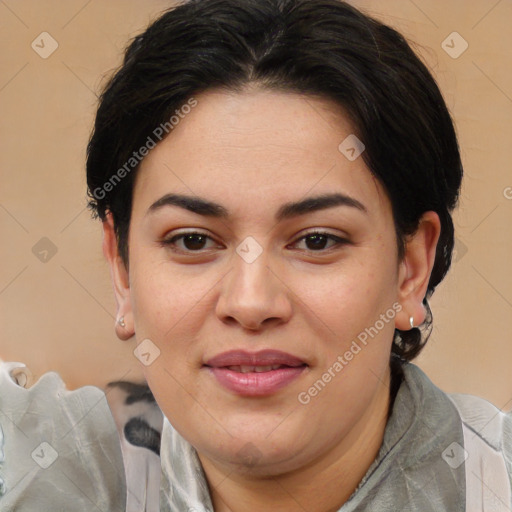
120	280
415	269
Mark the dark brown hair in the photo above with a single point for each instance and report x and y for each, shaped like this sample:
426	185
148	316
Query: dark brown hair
324	48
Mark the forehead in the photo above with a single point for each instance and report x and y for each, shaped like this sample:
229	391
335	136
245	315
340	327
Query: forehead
255	147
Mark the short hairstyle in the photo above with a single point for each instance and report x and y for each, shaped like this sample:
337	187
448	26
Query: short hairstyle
323	48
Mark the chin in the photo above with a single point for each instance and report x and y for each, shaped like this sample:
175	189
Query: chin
256	454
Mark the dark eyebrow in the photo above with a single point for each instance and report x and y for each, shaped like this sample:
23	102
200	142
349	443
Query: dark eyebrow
286	211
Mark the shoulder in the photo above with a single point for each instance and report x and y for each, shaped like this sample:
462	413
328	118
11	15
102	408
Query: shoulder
476	435
487	450
56	445
486	420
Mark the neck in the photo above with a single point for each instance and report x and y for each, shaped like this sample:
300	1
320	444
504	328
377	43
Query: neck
324	485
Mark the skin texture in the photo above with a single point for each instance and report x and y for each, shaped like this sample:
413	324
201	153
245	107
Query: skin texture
252	152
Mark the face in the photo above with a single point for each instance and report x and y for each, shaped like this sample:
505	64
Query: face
265	299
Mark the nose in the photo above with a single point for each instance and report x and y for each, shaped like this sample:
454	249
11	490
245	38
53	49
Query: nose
254	295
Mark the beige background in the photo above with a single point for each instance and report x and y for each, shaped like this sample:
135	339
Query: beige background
59	314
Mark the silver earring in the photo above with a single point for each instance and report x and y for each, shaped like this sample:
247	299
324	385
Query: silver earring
121	322
411	321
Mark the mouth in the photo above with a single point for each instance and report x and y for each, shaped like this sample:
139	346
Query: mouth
255	374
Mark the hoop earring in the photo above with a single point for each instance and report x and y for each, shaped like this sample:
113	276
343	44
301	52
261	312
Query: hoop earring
121	322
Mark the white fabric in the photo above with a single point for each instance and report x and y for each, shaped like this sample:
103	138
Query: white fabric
60	448
488	483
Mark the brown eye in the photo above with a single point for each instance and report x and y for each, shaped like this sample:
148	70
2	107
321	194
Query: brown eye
191	242
317	241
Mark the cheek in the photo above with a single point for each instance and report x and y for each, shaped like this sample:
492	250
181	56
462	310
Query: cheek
170	308
351	297
163	299
353	347
166	308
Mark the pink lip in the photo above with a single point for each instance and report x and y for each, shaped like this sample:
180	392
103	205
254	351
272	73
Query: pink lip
255	383
261	358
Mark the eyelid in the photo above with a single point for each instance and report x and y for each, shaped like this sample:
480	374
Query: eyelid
322	231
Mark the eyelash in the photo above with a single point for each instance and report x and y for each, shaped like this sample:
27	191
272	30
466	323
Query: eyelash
172	241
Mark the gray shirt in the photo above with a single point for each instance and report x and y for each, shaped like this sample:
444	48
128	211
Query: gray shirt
61	450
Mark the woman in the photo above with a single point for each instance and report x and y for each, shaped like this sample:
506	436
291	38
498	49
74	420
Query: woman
275	180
